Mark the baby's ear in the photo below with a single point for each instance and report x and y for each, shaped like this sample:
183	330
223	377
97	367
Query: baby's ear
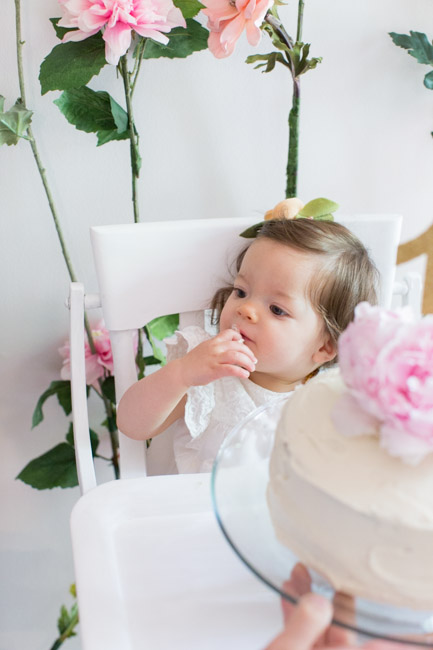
326	352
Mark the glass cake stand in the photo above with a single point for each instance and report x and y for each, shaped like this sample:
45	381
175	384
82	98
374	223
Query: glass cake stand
239	482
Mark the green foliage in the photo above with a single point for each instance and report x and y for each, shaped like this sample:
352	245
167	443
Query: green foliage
159	329
418	46
189	8
55	468
14	122
108	391
60	31
320	209
295	58
164	326
67	620
269	60
72	65
182	42
63	391
300	61
94	112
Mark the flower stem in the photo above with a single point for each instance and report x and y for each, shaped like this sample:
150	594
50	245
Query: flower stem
108	408
34	147
293	153
133	137
300	20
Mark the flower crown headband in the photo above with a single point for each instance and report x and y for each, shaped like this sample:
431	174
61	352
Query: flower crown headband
317	209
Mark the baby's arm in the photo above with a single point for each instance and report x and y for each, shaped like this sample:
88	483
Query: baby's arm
149	406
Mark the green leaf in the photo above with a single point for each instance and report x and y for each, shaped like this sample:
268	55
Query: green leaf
151	361
251	232
108	389
60	31
72	65
189	8
63	391
94	112
300	61
163	326
14	122
94	438
318	208
269	60
417	45
67	621
55	468
182	42
428	80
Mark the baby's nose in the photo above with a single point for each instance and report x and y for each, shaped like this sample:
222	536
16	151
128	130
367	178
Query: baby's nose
248	311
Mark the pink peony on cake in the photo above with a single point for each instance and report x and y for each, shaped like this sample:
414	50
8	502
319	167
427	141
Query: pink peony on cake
351	472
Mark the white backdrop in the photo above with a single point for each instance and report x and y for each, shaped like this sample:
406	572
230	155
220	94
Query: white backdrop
214	143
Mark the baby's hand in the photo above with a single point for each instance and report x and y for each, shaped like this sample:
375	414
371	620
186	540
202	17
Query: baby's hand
225	355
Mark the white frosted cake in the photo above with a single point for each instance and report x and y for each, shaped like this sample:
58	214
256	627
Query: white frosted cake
350	510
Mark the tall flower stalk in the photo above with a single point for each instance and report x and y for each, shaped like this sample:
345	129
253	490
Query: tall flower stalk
226	21
111	420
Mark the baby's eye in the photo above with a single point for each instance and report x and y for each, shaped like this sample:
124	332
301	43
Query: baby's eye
278	311
239	293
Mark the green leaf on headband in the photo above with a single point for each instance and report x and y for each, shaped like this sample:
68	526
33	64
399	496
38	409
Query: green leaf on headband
73	64
14	122
181	42
251	232
94	112
189	8
318	208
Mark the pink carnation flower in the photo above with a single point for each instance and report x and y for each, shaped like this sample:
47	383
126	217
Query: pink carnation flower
119	18
99	364
386	360
228	18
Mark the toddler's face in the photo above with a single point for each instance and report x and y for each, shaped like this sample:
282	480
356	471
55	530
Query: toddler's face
270	306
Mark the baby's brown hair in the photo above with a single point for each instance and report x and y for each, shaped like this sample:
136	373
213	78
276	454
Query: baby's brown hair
347	276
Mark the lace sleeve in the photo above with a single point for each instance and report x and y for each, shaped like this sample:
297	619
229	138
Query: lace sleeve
200	399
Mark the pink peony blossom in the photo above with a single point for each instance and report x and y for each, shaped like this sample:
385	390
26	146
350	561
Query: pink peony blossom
99	364
386	359
119	18
228	18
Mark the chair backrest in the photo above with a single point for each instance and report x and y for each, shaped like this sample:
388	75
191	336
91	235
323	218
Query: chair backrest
152	269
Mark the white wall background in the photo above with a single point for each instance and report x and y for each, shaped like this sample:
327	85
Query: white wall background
214	143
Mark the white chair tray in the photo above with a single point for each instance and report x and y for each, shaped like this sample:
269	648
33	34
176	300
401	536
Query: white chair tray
123	532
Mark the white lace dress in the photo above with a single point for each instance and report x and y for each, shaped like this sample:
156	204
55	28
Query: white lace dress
211	411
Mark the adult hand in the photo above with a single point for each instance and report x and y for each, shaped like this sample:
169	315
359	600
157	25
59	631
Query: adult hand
308	624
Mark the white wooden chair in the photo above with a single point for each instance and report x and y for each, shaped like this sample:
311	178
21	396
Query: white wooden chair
152	569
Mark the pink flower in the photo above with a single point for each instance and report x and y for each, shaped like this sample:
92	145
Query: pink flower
386	359
119	18
228	18
99	364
